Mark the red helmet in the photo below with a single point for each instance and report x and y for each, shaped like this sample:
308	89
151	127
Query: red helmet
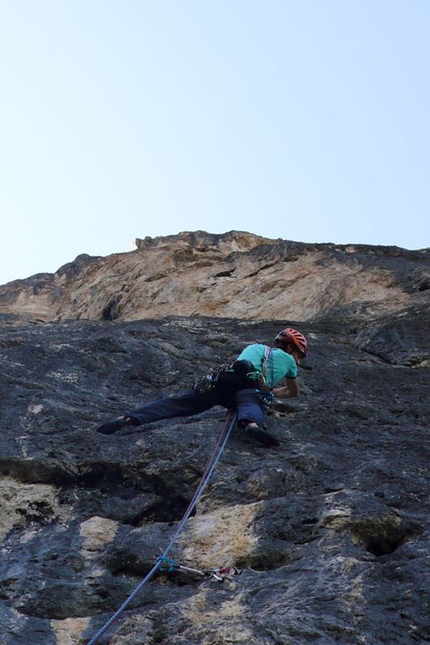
295	337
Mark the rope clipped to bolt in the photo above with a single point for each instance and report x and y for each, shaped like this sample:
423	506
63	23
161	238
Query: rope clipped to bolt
221	574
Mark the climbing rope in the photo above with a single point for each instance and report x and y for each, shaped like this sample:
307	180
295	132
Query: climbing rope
220	445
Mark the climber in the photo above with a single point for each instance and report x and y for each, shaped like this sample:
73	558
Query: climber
255	373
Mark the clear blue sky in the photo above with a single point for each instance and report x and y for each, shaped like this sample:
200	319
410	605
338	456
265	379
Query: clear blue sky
306	120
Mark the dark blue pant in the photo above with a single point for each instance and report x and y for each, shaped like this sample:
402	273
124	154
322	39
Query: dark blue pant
246	402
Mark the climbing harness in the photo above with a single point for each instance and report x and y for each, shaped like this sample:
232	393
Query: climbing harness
240	369
220	574
265	389
217	452
265	361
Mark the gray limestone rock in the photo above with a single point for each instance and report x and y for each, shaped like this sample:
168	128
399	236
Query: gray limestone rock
330	531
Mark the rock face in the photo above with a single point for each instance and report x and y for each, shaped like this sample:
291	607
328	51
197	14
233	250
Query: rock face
330	530
235	275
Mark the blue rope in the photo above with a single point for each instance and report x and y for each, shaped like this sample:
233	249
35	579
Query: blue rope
215	457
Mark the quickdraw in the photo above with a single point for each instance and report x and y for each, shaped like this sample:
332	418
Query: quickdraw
221	574
267	400
208	381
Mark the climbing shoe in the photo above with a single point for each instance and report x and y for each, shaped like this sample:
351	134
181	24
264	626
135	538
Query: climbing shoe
252	431
116	424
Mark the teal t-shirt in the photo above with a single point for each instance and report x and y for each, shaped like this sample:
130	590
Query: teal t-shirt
279	363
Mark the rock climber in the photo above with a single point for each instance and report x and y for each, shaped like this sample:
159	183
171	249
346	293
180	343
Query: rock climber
254	375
